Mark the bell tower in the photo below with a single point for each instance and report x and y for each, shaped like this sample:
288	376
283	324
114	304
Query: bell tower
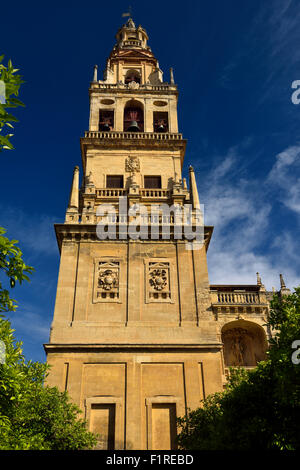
133	338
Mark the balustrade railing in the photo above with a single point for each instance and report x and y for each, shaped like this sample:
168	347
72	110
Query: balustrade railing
149	193
132	42
111	192
238	298
144	193
124	86
132	135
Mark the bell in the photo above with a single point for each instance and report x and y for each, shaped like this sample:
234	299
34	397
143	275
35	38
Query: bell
133	127
161	128
105	127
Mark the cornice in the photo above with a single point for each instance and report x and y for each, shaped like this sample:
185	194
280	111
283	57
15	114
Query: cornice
58	347
86	233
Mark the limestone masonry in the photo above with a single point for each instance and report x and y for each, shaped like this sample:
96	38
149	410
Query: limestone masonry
139	335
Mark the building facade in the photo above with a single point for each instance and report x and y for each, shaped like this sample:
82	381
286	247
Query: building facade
139	335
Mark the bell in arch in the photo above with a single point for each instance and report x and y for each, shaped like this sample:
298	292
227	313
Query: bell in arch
161	128
133	127
106	127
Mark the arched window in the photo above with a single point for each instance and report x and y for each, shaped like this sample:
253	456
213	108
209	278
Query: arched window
106	120
134	117
132	76
160	121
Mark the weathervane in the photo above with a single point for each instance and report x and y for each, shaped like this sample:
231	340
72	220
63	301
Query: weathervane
128	13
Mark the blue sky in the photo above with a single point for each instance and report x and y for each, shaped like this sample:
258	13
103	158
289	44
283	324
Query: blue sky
234	63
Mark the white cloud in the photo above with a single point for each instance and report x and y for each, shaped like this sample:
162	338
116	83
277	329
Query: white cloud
285	174
245	239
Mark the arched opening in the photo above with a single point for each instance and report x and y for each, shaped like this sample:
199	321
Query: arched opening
106	120
245	343
132	75
160	121
133	117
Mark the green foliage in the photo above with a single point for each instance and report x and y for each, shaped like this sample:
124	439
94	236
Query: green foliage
259	409
12	82
13	266
34	416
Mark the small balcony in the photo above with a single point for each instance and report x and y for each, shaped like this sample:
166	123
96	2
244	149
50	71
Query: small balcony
112	193
237	299
243	298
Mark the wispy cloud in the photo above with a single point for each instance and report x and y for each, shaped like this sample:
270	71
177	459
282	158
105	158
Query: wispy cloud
285	175
245	239
32	322
35	232
268	49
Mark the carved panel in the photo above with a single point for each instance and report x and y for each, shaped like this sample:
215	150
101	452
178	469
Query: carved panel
132	164
158	281
107	280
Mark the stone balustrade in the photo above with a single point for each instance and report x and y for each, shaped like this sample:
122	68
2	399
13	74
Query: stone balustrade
132	135
143	193
132	42
110	192
155	193
228	298
124	86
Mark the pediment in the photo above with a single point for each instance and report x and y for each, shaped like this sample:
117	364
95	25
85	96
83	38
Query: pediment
130	54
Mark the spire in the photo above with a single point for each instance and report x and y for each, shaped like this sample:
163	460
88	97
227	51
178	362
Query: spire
282	283
130	23
95	78
171	76
193	189
131	37
74	194
259	283
283	289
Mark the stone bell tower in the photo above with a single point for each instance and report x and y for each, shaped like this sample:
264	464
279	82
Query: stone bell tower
133	339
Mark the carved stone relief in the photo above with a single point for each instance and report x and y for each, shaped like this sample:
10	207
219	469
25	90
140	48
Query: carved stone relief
106	281
158	287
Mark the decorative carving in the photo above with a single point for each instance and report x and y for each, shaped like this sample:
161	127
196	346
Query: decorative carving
158	279
158	282
107	275
237	350
132	164
88	178
237	342
133	85
108	279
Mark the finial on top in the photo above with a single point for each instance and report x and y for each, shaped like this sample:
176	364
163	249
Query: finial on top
130	22
282	283
171	75
95	78
258	279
